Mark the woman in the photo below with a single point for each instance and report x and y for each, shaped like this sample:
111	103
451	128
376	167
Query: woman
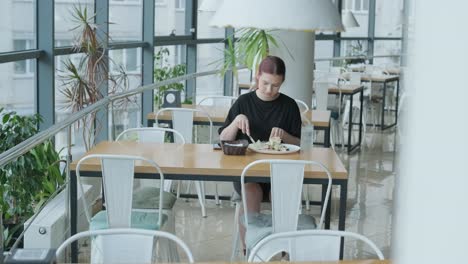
262	114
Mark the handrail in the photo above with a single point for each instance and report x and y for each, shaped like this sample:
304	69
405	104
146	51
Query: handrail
356	57
30	143
37	139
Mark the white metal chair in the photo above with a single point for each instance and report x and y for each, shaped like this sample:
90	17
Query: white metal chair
303	107
147	197
321	98
125	245
117	177
218	100
306	245
287	178
151	134
182	121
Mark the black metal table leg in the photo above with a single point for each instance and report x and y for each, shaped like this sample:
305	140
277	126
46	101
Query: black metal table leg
73	215
360	116
342	214
350	123
382	126
327	136
397	99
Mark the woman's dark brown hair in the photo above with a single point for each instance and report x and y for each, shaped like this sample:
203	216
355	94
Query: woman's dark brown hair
272	65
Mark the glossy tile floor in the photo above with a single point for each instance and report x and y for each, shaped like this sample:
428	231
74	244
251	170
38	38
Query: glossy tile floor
369	207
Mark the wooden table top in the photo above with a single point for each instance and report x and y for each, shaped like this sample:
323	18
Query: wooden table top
218	115
380	78
346	89
391	70
201	159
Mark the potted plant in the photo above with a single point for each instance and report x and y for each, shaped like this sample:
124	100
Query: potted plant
164	71
26	183
82	81
250	47
356	50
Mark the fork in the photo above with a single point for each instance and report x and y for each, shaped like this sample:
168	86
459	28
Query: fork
251	139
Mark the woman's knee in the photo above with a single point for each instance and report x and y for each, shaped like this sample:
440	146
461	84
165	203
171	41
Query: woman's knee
252	187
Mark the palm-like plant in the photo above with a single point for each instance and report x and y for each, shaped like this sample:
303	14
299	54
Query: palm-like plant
83	81
249	49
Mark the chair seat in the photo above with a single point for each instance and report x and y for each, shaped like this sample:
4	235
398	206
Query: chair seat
148	198
142	220
260	226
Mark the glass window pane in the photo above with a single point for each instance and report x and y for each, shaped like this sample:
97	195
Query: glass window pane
204	29
365	5
125	27
354	48
357	5
117	58
323	50
361	13
18	86
170	18
388	19
207	56
127	76
132	60
18	22
387	47
65	21
169	62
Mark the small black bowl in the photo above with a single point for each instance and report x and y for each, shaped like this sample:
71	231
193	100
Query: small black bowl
234	147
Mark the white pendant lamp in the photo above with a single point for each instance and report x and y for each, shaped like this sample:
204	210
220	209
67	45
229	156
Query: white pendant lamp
210	5
298	15
349	20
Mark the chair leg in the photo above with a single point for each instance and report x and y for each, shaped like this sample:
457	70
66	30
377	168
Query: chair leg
305	190
201	196
217	201
178	189
332	135
188	189
235	233
167	185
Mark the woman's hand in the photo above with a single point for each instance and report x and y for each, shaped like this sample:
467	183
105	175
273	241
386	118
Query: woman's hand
285	136
242	123
277	132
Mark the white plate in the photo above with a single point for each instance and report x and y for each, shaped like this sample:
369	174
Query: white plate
291	149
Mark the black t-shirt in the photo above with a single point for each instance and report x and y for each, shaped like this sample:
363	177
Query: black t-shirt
282	112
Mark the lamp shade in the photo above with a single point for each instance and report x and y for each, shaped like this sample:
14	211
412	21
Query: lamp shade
210	5
349	20
300	15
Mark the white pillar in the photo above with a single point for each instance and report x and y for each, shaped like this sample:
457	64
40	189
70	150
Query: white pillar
431	212
299	67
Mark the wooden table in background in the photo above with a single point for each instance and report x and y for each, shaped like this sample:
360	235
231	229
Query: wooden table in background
200	162
385	79
350	90
218	114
